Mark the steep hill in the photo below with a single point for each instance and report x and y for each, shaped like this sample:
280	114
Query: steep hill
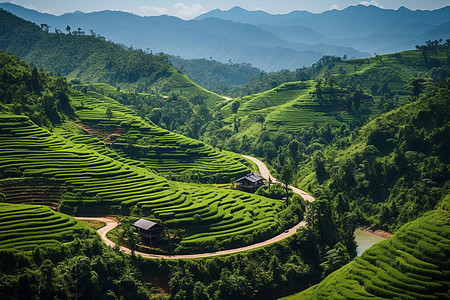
393	169
92	59
414	264
334	97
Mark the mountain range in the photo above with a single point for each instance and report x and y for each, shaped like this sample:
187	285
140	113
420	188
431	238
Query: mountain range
270	42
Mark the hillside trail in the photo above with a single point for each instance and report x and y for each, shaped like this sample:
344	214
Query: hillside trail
264	172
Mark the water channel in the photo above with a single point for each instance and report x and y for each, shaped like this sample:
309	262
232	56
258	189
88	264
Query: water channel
365	240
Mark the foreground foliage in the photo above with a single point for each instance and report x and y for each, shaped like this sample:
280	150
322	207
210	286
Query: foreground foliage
414	264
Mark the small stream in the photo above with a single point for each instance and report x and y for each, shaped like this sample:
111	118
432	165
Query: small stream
365	240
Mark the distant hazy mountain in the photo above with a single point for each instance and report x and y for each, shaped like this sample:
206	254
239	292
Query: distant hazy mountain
270	42
365	28
222	40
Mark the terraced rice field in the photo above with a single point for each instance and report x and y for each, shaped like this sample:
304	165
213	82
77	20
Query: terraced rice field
161	150
414	264
96	183
25	227
294	105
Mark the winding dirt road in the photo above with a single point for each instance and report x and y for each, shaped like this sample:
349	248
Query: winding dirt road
265	173
263	170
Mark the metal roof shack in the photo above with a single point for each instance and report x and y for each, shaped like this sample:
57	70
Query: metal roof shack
250	182
148	230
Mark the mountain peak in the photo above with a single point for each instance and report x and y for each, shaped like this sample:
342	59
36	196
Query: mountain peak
402	8
237	8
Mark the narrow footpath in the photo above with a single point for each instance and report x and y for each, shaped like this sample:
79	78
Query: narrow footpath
263	170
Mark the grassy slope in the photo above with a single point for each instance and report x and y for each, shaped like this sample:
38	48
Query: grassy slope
294	106
25	227
161	150
96	184
414	264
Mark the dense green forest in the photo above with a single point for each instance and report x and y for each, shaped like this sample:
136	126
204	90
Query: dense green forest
393	169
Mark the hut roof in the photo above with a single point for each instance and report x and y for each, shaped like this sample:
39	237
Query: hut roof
252	177
145	224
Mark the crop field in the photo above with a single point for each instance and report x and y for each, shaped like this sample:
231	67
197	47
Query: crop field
414	264
161	150
25	227
89	182
295	105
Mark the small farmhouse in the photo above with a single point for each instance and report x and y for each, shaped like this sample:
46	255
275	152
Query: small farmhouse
148	230
249	183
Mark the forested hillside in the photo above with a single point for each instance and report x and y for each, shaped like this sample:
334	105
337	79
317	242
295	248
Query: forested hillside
344	95
92	59
393	169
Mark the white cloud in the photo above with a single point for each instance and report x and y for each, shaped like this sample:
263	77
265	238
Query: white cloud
152	11
335	6
188	12
372	2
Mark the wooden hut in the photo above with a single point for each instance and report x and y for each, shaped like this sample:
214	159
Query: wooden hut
249	183
148	230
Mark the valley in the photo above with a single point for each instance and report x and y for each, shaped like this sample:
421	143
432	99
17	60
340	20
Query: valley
123	177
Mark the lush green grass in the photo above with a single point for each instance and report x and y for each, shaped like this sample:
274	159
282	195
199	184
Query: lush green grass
25	227
163	151
94	183
414	264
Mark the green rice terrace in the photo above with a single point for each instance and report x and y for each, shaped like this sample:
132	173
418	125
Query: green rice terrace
82	181
296	105
414	264
333	98
167	153
25	227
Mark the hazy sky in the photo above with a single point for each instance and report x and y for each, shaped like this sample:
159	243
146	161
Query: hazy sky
188	9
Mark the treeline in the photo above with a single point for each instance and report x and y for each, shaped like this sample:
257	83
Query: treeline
266	81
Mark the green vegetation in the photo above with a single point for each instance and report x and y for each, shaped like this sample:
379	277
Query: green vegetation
213	75
82	269
98	184
92	59
393	169
25	227
165	152
80	174
414	264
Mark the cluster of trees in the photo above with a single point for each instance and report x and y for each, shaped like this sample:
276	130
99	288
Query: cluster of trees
27	91
433	48
84	269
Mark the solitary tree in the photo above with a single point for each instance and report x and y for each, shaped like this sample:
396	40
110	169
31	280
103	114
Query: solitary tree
68	29
260	119
109	113
234	109
416	86
286	178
